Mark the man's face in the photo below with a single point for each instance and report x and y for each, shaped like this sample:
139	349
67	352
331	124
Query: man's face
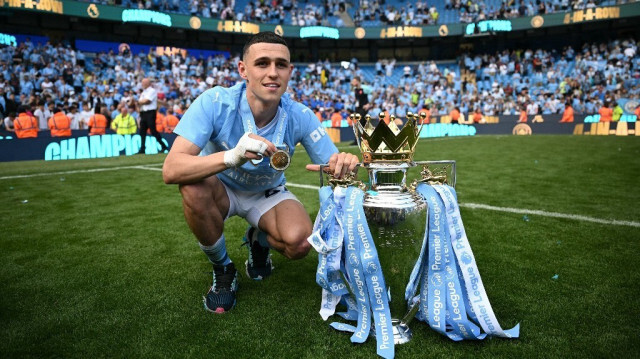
267	69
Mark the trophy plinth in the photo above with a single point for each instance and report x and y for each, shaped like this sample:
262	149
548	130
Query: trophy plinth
401	332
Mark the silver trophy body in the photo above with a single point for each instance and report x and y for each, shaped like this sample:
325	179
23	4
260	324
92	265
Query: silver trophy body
396	217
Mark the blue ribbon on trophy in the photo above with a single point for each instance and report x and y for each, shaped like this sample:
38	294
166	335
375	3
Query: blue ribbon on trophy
359	265
451	261
443	288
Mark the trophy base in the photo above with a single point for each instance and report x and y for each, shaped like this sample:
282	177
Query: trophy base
401	332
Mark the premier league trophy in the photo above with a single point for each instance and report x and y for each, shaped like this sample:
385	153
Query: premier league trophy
391	251
394	211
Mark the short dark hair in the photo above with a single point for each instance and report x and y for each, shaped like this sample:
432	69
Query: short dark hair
265	36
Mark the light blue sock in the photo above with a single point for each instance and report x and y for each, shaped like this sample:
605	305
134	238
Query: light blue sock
217	253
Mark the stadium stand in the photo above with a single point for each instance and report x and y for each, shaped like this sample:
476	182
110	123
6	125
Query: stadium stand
362	12
502	83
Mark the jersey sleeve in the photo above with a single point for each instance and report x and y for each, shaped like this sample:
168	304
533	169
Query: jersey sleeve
314	138
198	122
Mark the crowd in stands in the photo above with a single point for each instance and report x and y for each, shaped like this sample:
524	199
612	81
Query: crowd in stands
505	83
56	78
361	12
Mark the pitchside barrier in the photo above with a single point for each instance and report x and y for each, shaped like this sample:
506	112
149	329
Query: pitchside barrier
80	145
441	126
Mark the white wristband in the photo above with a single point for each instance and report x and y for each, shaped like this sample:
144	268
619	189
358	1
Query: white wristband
236	156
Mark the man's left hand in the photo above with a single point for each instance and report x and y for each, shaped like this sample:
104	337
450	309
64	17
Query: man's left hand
339	164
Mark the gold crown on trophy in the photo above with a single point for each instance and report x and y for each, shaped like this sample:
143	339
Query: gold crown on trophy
387	143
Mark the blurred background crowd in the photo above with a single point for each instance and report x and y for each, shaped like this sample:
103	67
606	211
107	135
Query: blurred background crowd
46	77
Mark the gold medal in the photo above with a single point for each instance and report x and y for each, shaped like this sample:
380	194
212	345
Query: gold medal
280	160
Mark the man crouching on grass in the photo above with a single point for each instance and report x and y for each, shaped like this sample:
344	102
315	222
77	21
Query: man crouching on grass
217	161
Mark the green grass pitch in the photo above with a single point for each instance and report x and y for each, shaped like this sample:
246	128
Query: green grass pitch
102	263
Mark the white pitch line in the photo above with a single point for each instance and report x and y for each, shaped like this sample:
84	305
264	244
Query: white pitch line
149	168
614	222
577	217
76	171
289	184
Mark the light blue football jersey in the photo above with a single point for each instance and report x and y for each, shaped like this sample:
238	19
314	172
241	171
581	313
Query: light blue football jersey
214	123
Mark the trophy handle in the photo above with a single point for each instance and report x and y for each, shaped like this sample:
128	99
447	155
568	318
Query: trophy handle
411	313
443	162
349	180
322	166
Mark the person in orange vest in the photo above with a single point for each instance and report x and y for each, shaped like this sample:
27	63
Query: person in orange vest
159	120
455	115
523	114
386	118
336	119
477	116
170	121
427	112
318	114
637	112
59	124
567	116
97	123
606	113
177	111
25	125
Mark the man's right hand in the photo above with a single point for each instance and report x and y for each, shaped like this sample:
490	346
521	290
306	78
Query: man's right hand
249	147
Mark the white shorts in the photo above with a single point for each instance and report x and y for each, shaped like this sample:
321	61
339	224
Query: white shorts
252	205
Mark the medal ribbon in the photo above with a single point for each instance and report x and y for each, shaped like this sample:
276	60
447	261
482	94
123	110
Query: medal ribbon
249	124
